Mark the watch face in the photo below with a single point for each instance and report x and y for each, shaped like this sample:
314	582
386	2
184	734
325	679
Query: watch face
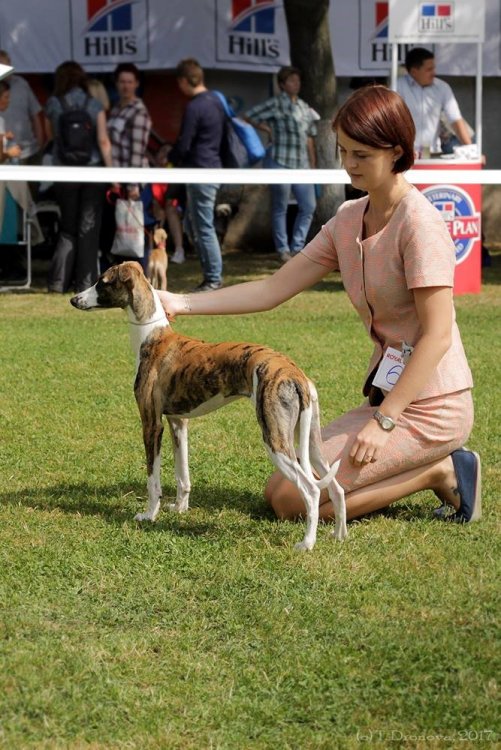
386	423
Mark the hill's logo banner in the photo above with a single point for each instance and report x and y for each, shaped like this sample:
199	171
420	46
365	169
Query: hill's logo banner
429	22
437	17
109	31
458	211
252	32
374	50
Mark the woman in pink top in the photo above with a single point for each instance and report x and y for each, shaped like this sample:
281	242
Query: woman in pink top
397	261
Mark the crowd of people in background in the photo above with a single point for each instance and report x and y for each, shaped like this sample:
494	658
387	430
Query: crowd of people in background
121	136
391	238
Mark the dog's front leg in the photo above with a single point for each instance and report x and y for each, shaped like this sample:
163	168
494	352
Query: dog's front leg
152	436
179	435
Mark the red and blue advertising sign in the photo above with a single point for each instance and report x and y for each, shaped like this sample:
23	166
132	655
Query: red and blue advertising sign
460	207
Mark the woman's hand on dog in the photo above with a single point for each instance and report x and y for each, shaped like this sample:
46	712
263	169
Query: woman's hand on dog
173	304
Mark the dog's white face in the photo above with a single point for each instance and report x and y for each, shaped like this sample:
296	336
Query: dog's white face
113	288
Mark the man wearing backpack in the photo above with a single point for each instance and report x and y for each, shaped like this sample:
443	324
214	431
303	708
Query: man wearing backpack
76	123
199	145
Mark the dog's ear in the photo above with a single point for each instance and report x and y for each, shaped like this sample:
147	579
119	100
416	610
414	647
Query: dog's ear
127	270
136	267
125	273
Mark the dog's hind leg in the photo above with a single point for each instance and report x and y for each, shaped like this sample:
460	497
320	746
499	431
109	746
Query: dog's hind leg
152	436
306	485
162	280
179	435
334	489
321	466
278	411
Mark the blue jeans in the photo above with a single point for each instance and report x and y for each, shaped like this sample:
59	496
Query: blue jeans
199	221
306	204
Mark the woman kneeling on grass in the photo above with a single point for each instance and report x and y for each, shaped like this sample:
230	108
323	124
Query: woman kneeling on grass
396	260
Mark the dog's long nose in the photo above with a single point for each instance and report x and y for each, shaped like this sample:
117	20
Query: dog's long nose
74	300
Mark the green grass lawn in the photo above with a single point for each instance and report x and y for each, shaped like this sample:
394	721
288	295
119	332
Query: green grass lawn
208	630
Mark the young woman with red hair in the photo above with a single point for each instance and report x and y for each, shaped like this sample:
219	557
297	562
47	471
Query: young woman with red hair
396	260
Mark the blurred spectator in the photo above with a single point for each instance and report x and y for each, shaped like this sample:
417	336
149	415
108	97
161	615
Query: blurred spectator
129	123
97	89
22	117
8	150
199	145
428	98
290	124
129	126
75	260
169	203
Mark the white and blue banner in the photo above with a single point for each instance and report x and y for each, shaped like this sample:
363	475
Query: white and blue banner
153	34
248	35
361	43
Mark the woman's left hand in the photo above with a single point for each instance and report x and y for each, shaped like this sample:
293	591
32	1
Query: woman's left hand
173	304
368	444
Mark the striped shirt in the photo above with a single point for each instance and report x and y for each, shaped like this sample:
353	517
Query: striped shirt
291	122
129	130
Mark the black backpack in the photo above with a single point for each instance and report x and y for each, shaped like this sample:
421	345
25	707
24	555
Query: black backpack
76	137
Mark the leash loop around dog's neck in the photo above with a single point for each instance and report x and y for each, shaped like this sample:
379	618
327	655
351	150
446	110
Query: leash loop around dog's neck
150	322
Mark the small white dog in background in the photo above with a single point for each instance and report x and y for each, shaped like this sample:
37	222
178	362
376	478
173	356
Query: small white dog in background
158	261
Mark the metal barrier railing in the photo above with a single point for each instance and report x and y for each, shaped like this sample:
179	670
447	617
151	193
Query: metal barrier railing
255	176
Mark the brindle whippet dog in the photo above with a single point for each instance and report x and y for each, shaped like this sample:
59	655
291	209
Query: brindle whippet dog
182	378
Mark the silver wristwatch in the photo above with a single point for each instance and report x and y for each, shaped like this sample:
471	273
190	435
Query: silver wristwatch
386	423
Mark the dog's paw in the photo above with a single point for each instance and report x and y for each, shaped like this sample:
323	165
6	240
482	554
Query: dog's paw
144	517
339	534
175	508
303	546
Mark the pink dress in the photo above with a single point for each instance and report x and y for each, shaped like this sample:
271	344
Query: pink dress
379	273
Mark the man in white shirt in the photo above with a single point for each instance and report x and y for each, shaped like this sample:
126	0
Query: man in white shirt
427	98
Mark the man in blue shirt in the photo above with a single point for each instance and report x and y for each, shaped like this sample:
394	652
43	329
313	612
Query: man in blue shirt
199	145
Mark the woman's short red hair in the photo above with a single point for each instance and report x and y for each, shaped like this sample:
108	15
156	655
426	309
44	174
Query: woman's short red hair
378	117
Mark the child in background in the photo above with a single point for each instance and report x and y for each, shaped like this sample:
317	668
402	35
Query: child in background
167	202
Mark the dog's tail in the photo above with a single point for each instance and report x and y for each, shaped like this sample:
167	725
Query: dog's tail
305	422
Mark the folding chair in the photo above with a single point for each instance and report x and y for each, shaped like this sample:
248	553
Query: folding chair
24	238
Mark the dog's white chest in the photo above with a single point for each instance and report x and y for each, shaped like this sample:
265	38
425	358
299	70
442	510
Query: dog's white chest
136	336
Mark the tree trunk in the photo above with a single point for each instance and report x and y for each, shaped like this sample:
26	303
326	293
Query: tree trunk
310	50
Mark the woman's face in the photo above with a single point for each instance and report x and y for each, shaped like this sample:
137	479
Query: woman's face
127	85
4	100
369	168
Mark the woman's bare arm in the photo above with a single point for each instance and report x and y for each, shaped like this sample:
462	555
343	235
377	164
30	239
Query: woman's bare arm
253	296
